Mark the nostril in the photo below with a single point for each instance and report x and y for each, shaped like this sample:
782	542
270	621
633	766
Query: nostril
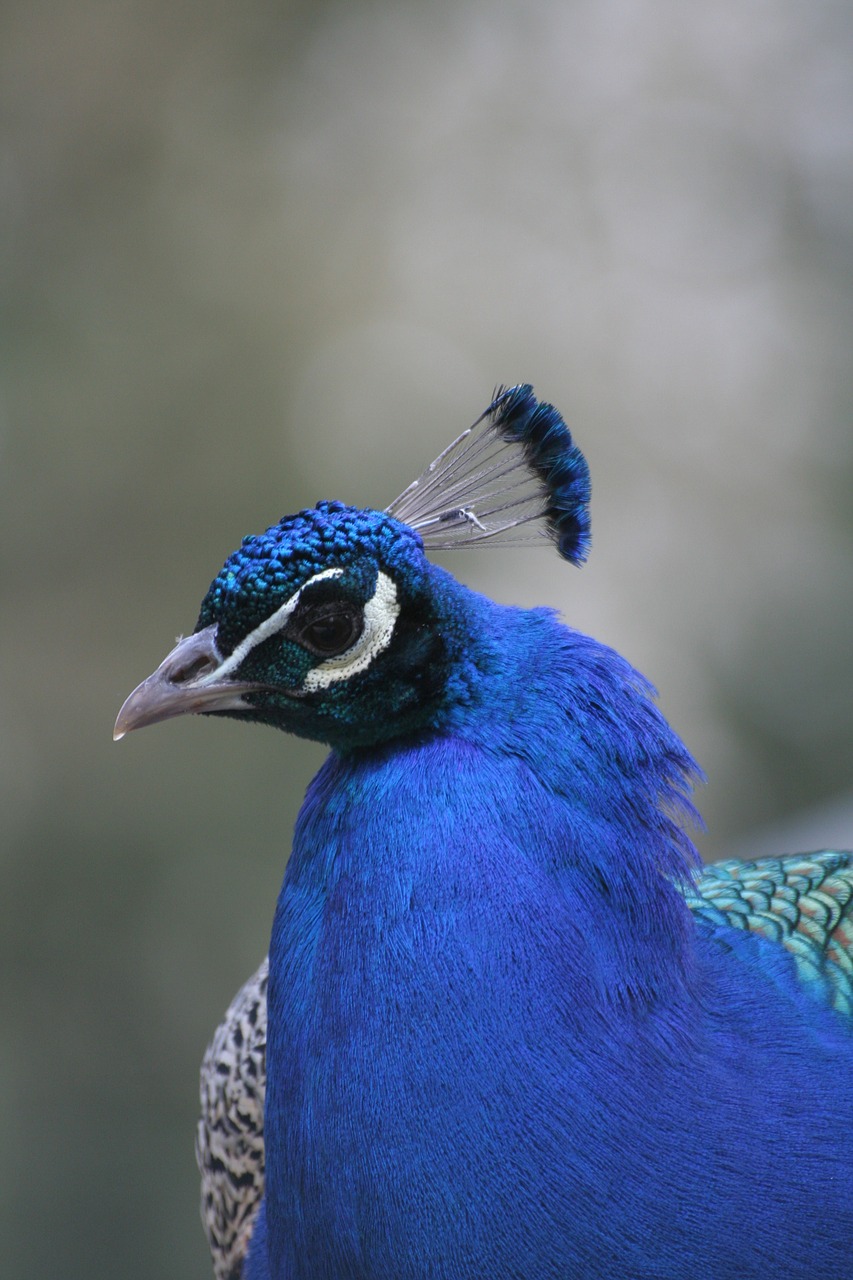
192	669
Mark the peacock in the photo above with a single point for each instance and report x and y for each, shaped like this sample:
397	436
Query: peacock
506	1029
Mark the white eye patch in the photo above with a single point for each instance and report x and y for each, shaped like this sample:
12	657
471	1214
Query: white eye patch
265	629
380	615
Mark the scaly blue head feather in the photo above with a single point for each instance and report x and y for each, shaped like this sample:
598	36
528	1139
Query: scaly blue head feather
334	625
340	627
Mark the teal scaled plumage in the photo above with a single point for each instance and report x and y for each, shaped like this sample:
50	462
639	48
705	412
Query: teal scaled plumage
804	902
508	1034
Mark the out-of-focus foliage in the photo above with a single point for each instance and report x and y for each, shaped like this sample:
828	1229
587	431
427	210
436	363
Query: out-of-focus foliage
257	254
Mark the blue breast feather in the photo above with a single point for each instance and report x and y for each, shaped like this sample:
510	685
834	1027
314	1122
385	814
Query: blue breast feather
510	1036
514	996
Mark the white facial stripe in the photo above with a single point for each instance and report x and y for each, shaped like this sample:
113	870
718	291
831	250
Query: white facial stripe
380	615
264	630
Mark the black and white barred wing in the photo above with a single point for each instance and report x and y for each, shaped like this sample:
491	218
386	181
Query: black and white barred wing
230	1135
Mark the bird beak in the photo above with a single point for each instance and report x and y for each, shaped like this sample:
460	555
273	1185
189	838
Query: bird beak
185	683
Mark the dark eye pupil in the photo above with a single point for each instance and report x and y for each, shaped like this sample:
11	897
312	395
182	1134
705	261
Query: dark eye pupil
331	633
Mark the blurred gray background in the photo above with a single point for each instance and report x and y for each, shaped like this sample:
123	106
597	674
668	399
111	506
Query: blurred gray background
258	254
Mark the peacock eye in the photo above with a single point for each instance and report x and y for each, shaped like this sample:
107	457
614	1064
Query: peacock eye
331	628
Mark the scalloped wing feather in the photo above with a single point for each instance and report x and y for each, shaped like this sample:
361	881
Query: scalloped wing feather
803	901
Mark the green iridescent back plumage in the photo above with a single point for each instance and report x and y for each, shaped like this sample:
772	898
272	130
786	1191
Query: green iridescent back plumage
804	902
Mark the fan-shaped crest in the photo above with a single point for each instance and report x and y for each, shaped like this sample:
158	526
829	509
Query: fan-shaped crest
515	476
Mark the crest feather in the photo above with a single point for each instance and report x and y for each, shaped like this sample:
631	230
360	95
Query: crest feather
515	476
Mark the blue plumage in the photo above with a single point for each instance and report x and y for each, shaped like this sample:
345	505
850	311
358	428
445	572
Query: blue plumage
503	1039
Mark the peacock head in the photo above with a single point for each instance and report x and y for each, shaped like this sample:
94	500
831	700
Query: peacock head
334	625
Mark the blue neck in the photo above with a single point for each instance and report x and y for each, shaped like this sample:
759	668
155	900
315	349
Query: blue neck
606	784
525	847
553	741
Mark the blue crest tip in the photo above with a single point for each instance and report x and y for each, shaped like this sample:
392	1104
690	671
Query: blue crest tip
558	462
